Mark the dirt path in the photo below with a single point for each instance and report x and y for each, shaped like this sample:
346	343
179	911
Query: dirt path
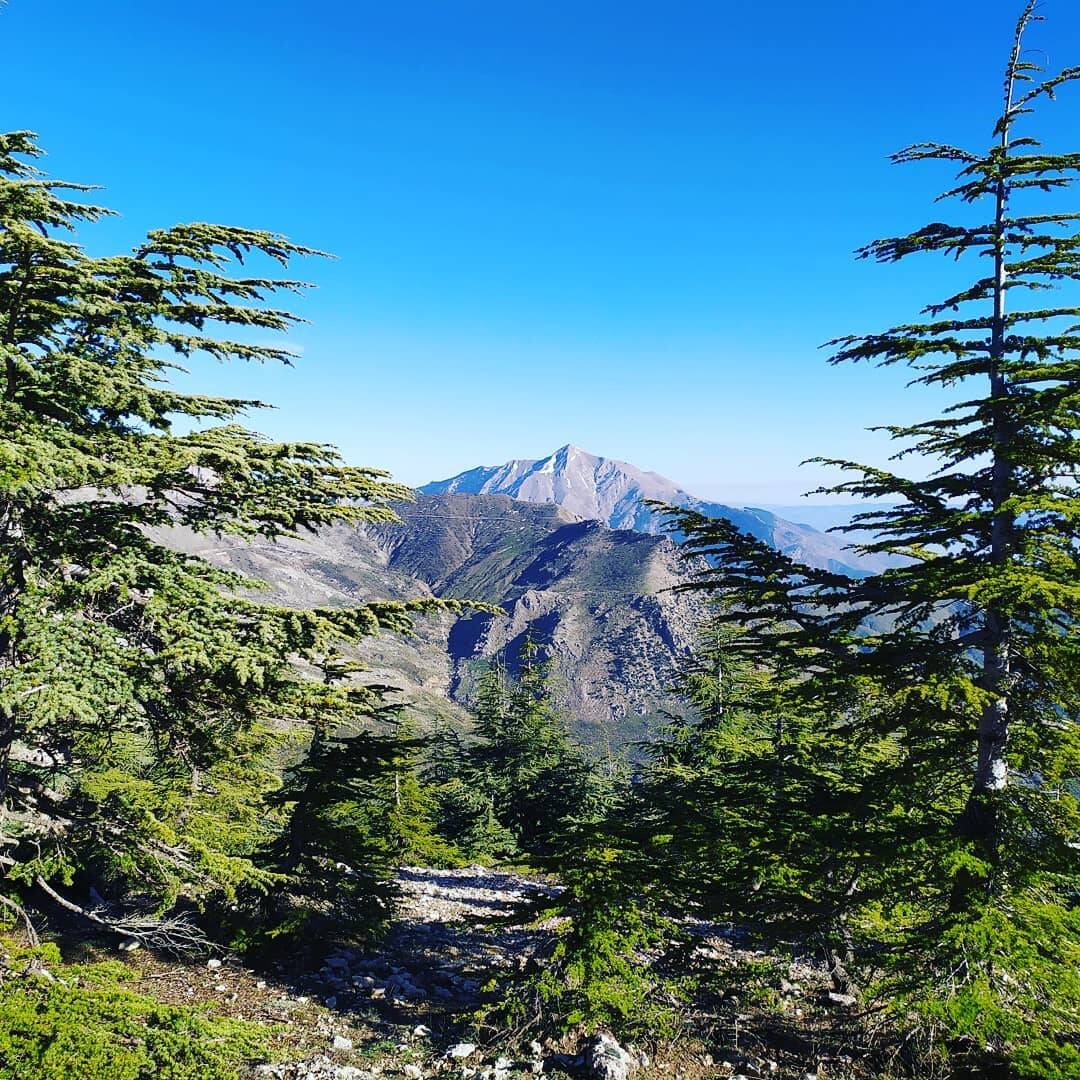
402	1008
455	929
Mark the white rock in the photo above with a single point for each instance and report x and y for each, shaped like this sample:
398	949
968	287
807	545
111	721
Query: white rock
213	965
130	944
461	1050
341	1043
842	999
607	1060
261	984
413	1072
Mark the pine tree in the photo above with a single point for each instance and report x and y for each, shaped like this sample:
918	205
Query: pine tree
466	810
537	783
135	678
739	800
958	669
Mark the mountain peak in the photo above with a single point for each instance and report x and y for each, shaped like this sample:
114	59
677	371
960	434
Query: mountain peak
588	485
615	493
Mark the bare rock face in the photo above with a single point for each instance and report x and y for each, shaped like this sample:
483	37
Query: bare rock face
599	599
605	1059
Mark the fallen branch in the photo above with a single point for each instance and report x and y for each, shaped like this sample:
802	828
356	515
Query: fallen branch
31	933
178	936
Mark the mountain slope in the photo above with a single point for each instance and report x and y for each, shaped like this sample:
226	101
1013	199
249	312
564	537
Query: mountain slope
613	492
599	598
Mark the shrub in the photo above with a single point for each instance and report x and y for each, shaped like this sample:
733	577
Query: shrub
81	1021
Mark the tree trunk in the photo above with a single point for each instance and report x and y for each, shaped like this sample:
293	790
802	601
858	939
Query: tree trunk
981	818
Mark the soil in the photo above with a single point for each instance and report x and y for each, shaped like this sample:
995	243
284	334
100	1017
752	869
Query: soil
403	1008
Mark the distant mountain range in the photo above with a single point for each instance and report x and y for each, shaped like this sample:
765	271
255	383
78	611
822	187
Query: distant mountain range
599	600
563	546
614	492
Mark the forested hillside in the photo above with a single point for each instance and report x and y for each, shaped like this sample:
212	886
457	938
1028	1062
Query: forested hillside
305	776
602	601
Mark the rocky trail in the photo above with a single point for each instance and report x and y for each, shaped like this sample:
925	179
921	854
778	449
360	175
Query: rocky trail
403	1009
396	1011
455	930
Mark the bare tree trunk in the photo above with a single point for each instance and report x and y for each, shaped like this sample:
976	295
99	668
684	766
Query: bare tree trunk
981	820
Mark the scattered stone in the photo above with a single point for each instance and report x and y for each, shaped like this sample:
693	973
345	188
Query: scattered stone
566	1062
461	1051
605	1059
341	1043
754	1068
847	1000
213	964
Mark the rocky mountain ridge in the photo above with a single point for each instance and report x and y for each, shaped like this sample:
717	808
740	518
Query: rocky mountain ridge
614	492
599	598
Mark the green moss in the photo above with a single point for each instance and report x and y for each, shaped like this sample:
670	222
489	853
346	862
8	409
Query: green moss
85	1022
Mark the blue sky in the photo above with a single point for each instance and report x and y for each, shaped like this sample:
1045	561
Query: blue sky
623	225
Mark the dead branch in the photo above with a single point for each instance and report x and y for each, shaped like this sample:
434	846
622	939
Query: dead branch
177	936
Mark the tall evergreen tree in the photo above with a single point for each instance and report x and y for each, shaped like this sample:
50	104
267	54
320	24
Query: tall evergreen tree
136	680
965	656
526	778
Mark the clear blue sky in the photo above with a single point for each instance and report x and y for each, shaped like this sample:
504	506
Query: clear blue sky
620	224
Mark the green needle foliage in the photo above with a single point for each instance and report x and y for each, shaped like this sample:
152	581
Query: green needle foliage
91	1024
523	783
954	677
742	799
142	689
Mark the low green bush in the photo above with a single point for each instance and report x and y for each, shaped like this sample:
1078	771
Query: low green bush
80	1021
